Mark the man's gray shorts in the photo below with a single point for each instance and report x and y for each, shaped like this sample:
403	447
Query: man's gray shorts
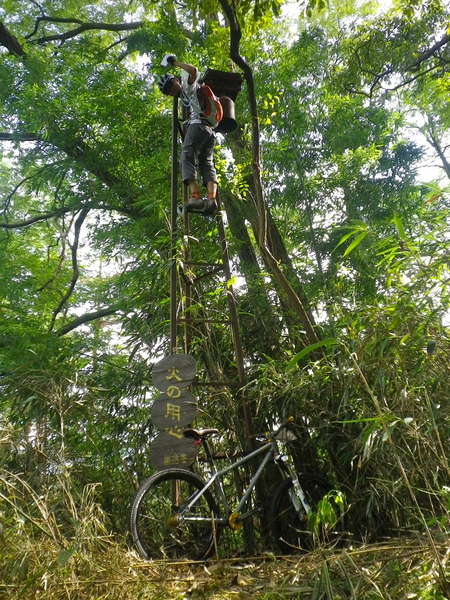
198	153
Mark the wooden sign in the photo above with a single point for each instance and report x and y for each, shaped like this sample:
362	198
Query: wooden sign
174	409
174	371
172	450
170	412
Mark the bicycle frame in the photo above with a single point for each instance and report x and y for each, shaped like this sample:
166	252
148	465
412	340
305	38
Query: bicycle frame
271	451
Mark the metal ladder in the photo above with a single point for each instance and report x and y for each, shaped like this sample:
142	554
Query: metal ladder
196	264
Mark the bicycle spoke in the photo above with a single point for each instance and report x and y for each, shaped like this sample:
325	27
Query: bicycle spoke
160	526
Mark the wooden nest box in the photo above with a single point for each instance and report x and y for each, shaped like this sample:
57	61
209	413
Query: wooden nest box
226	86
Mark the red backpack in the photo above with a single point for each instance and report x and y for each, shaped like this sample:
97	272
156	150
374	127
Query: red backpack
212	109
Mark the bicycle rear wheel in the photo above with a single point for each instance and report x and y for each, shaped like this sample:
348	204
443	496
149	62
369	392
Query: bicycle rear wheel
152	517
294	532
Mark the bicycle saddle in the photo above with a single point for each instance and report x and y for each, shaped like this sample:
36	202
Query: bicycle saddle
199	433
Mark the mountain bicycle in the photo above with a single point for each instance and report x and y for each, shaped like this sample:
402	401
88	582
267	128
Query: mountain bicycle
174	514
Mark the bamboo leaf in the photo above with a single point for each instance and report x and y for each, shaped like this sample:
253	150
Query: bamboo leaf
357	226
345	237
356	242
327	342
399	227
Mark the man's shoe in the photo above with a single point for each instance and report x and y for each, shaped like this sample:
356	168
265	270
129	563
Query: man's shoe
194	204
211	207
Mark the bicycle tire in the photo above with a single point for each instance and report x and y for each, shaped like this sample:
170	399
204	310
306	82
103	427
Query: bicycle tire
152	523
293	532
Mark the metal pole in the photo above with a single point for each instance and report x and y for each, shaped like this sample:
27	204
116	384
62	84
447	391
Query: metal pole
187	283
173	225
234	326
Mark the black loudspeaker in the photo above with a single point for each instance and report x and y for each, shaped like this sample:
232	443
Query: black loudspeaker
228	122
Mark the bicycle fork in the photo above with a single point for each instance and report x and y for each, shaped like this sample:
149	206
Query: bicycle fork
296	493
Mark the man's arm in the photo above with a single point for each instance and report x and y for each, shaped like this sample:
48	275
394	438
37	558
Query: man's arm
193	73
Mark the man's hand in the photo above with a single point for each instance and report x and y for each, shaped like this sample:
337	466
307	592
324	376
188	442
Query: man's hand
169	59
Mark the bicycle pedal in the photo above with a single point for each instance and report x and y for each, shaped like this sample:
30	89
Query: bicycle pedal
234	521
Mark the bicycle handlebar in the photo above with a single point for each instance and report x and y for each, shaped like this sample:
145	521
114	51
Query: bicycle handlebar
269	434
290	421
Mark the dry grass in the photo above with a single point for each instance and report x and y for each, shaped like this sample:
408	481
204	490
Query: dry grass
110	570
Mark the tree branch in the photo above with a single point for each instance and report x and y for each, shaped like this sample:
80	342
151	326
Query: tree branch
62	37
261	223
75	272
50	20
423	56
433	140
78	150
85	156
10	42
412	67
62	258
86	318
19	137
36	219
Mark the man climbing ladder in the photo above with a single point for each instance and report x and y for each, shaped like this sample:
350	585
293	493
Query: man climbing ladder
199	141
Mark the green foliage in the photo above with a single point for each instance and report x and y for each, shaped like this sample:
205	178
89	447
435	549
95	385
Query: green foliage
347	116
325	516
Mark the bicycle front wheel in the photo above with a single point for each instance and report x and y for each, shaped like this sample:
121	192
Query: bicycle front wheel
293	529
161	526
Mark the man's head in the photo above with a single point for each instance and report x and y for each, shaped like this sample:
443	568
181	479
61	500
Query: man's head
169	85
